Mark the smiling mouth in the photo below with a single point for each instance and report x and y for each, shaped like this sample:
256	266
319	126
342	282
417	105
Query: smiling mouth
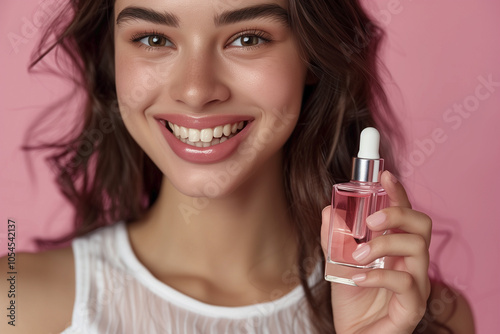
205	137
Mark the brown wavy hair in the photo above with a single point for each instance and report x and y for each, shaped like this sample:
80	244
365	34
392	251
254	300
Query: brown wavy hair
107	177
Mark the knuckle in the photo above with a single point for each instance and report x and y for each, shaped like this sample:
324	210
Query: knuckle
426	221
406	280
395	212
419	243
428	224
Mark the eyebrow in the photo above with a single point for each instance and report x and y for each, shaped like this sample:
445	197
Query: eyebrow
271	11
146	14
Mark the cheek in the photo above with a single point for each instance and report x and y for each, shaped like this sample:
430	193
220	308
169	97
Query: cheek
135	87
278	89
276	85
135	95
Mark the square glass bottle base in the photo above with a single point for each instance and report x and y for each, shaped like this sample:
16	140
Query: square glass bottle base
351	203
342	273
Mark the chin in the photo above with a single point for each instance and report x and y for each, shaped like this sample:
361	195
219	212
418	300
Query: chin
207	184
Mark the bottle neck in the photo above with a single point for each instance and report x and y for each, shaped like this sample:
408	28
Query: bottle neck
367	170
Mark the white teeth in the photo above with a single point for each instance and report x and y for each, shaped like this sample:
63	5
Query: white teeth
194	135
234	128
218	131
184	133
205	137
227	130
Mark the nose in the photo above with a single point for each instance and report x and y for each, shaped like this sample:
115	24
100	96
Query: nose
197	80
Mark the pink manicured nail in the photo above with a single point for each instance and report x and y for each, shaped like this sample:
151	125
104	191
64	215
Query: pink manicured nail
376	219
362	252
392	178
359	277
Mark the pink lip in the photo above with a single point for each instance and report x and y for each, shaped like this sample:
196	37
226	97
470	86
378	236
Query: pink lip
205	155
202	122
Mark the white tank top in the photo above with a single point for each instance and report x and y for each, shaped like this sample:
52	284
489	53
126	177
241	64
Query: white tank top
115	293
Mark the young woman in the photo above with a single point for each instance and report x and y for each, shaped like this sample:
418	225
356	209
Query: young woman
212	134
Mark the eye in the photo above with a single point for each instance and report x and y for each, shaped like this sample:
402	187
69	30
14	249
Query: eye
155	41
249	39
151	40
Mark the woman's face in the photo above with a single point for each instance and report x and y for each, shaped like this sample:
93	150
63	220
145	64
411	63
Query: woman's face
211	90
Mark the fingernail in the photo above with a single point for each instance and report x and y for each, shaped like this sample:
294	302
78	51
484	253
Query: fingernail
359	277
392	178
362	252
376	219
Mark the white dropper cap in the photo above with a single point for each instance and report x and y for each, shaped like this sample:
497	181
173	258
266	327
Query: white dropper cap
368	165
369	142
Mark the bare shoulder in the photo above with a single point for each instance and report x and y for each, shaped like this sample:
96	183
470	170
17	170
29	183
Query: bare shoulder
450	307
40	294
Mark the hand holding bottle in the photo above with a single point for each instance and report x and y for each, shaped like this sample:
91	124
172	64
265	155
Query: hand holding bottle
393	299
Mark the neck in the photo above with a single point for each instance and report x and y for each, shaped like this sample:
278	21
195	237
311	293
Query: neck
246	233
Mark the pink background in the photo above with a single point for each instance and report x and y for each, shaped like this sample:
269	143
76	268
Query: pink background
436	52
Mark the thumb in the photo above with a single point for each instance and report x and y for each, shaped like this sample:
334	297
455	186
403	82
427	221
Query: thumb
395	190
325	224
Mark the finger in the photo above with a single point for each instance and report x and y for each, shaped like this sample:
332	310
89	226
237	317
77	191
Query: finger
412	303
325	224
399	282
403	219
411	247
395	190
